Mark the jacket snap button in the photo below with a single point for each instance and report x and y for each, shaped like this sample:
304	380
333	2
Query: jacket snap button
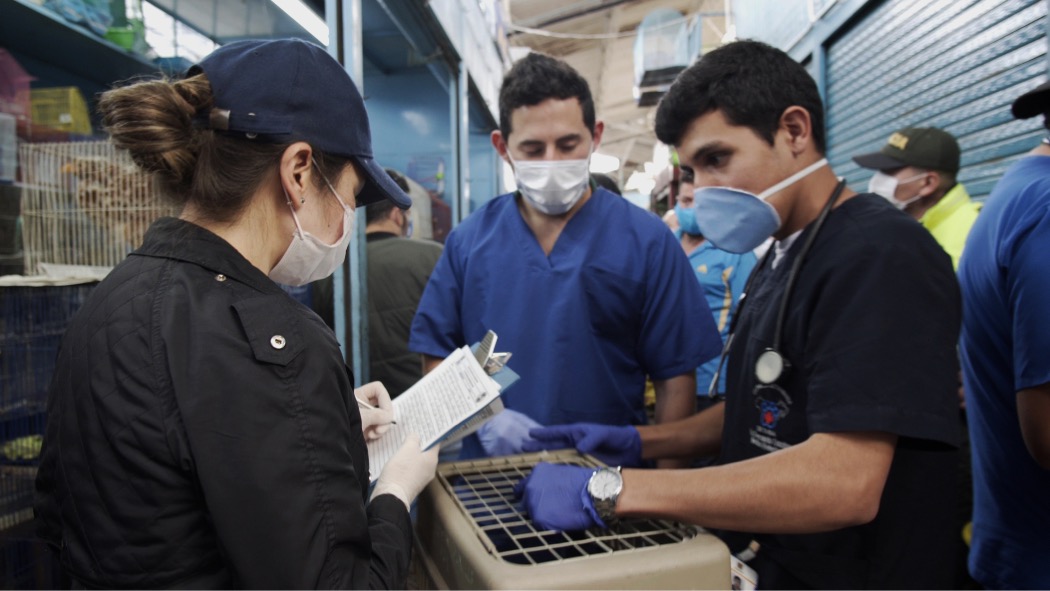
220	277
277	341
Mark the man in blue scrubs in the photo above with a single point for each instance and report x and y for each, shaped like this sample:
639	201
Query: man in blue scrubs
589	292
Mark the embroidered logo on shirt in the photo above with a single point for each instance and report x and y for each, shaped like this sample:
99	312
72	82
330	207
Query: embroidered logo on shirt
773	404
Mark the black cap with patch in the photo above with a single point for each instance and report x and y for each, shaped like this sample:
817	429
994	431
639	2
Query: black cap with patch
921	147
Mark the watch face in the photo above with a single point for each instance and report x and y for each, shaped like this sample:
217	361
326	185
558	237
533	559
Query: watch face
605	484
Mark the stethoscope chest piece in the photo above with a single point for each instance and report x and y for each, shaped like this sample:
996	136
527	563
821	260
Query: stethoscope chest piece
769	366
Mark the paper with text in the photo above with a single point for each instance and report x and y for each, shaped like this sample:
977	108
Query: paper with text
437	405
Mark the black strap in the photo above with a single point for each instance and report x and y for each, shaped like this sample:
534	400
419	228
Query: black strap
782	313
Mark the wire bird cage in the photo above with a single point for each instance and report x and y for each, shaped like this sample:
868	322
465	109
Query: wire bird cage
473	534
32	322
84	204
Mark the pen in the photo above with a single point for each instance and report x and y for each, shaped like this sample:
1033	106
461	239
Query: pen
364	404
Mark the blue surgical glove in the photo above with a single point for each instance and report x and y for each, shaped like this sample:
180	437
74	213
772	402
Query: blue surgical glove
556	498
505	432
616	446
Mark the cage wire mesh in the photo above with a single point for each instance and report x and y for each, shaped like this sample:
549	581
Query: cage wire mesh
486	495
83	204
32	322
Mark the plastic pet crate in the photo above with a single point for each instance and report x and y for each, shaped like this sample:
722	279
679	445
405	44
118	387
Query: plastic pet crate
62	108
473	534
84	205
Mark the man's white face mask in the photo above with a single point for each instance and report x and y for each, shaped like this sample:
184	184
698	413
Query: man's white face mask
552	186
885	186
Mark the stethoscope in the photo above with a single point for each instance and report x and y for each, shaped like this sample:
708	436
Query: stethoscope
771	364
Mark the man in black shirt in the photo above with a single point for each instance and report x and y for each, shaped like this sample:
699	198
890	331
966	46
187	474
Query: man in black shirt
837	431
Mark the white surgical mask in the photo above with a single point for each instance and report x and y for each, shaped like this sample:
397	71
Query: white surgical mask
552	186
308	258
885	186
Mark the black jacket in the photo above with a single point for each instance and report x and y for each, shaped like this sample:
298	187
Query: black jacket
202	433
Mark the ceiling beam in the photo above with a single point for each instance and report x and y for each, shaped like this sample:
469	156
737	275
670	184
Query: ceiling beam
546	20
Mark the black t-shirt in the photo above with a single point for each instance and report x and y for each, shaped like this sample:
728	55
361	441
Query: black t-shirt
870	332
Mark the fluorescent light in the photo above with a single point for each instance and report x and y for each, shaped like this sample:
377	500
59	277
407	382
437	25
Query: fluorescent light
306	18
604	163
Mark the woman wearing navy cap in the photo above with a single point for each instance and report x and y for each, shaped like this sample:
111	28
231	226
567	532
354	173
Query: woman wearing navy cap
202	429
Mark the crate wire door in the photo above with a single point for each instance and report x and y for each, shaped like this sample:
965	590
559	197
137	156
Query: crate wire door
84	204
636	553
487	497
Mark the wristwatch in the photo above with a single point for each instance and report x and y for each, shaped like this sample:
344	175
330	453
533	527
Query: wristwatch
604	487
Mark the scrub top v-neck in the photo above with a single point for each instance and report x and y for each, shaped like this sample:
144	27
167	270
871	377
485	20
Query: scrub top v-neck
614	301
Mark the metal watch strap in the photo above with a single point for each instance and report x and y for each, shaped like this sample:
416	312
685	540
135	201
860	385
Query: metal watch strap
606	507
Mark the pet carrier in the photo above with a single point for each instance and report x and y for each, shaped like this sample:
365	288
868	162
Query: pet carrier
84	204
473	534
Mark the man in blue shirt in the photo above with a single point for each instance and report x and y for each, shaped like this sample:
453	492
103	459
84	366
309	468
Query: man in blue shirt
590	293
1006	368
722	276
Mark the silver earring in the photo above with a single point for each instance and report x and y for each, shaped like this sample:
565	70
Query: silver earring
302	200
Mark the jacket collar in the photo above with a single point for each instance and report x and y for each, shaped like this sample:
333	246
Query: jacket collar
180	240
954	199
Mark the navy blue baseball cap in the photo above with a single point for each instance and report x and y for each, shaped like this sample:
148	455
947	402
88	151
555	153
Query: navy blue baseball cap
289	90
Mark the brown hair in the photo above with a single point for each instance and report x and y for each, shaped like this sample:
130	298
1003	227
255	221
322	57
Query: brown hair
155	121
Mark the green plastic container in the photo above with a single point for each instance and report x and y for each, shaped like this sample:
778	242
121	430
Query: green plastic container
122	36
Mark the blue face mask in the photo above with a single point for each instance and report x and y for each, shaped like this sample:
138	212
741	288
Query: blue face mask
738	221
687	220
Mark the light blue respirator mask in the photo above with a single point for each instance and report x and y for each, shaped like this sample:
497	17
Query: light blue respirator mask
738	221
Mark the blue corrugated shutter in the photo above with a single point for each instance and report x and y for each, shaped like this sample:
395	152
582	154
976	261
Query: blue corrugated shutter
951	64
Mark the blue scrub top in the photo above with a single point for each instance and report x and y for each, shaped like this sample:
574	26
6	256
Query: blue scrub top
1005	345
613	302
722	276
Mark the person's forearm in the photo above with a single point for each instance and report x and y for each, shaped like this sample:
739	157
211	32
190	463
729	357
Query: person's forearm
675	400
429	363
699	435
828	482
1033	411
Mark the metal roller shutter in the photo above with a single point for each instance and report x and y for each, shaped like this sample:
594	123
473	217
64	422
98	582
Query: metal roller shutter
951	64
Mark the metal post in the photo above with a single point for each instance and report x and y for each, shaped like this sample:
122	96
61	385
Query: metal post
463	92
350	289
452	170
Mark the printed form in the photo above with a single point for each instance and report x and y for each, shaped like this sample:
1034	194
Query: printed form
443	400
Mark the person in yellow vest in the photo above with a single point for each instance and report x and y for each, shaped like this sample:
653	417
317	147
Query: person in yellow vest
916	171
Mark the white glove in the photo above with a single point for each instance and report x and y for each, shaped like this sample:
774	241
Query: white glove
374	422
408	472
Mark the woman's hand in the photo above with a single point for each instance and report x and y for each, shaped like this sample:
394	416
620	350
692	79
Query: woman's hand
376	420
